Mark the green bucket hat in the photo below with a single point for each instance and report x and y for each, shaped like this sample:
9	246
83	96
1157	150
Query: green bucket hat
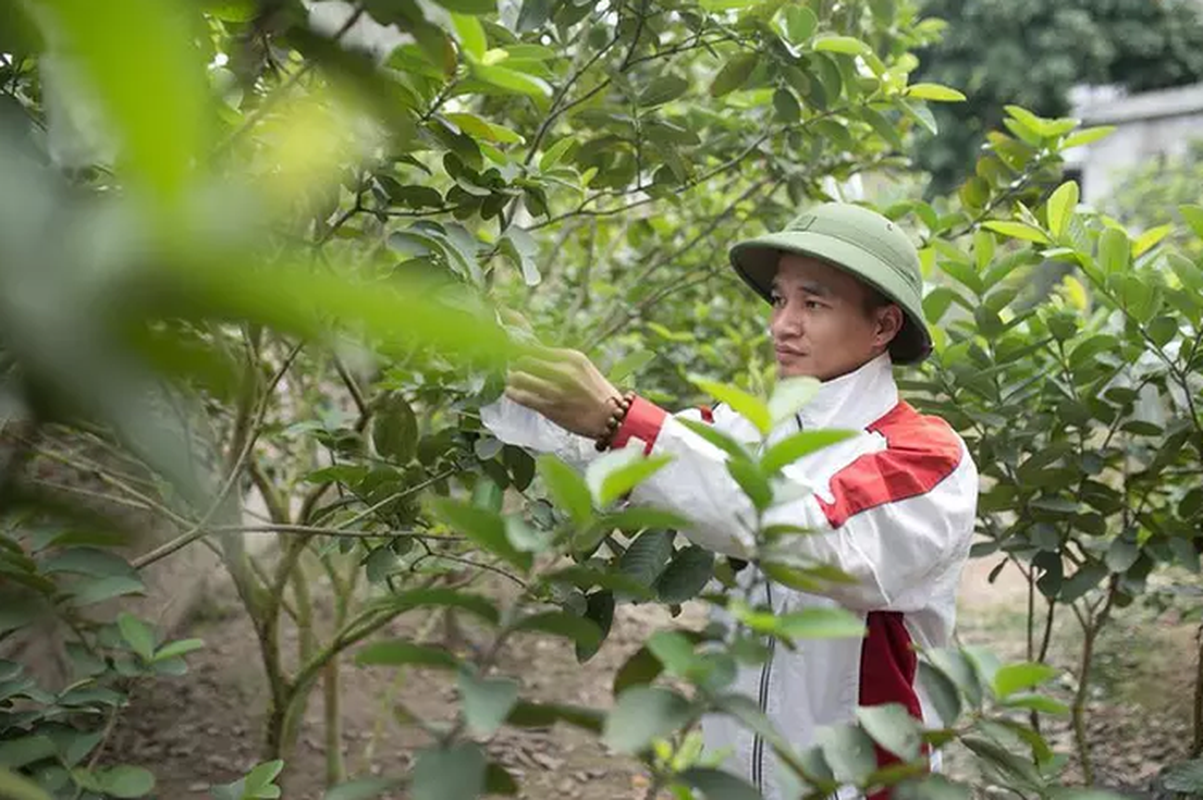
855	240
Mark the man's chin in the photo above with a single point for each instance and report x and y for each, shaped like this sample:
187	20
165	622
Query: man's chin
796	367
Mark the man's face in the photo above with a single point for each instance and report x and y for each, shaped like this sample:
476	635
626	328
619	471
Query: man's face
821	324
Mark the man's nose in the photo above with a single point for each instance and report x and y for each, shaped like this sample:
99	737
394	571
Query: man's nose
785	323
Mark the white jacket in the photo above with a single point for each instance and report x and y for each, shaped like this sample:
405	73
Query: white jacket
894	507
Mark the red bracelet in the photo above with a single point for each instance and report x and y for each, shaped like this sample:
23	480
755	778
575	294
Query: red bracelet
618	412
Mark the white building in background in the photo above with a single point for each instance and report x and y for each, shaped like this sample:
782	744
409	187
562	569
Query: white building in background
1148	125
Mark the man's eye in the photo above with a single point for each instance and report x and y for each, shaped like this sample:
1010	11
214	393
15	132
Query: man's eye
813	304
776	300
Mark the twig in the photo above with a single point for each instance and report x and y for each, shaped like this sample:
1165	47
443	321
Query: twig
337	532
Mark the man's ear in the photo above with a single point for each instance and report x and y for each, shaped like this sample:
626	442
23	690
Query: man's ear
889	320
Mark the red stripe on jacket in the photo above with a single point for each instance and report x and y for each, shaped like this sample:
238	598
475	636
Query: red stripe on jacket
887	674
920	452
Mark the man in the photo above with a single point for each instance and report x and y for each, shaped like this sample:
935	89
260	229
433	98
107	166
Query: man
893	506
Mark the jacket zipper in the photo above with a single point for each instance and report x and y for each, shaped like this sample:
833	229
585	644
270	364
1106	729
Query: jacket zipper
766	679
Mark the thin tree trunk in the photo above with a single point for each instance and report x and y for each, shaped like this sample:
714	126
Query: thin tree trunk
1079	705
1196	747
336	769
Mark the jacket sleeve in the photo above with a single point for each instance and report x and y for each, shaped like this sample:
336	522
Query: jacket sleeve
893	520
514	423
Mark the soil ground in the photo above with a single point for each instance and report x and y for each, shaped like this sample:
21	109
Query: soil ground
204	729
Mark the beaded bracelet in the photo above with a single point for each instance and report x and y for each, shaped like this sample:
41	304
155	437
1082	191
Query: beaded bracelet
618	412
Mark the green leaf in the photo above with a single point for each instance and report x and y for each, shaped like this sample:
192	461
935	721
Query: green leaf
789	396
674	650
630	364
937	787
934	92
640	669
1087	136
663	89
1086	578
1036	702
137	634
112	47
786	105
1187	271
567	488
956	666
1194	218
619	482
455	773
263	775
529	714
584	578
534	15
819	623
1114	251
800	445
477	7
552	155
1017	230
89	561
471	34
636	518
734	74
1121	555
1061	207
177	649
884	128
1150	239
753	481
561	623
96	591
922	115
485	528
599	609
1018	677
19	752
364	789
395	429
849	752
892	727
486	702
15	787
642	714
125	781
690	569
720	440
848	45
1184	777
511	81
398	652
646	558
1163	329
499	781
715	784
800	23
942	691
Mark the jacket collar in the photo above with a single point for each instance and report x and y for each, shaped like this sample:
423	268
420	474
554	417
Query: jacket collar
854	400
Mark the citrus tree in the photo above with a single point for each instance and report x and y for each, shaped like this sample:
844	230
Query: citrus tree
1081	406
274	267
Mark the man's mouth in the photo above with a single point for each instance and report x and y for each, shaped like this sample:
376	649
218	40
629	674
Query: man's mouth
788	351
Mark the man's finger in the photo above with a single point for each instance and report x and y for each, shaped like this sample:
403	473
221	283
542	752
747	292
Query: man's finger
533	385
547	370
522	397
